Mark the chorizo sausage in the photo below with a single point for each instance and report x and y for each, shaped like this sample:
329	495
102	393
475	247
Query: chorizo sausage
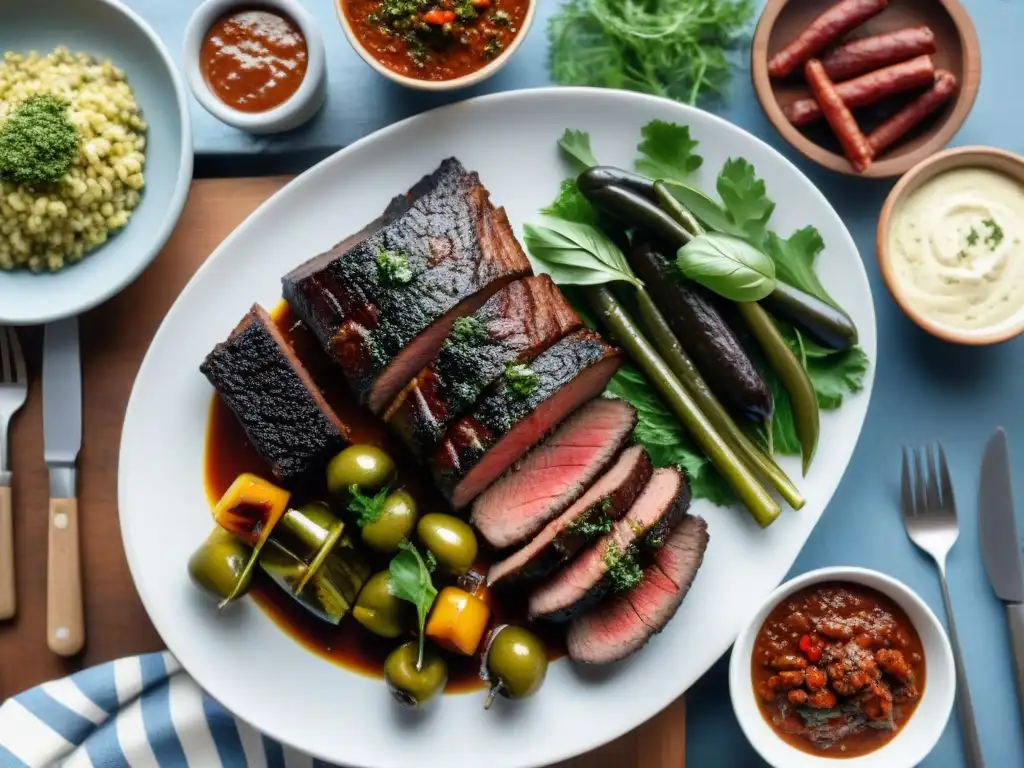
867	54
899	124
816	36
869	88
855	145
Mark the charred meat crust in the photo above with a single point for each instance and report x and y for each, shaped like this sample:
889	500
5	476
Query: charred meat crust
283	413
519	322
705	335
610	497
625	624
585	582
502	408
457	253
554	473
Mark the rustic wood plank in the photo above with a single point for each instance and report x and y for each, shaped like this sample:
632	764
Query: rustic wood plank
114	341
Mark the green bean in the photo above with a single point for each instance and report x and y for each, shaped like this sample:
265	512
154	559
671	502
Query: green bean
676	209
757	500
682	366
791	372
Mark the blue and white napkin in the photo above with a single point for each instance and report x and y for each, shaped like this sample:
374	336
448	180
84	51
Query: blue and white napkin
138	712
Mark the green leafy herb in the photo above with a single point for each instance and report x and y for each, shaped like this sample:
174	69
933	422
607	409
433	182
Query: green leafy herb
431	561
410	581
744	197
727	265
972	237
393	268
576	146
624	572
521	379
571	205
672	48
576	254
38	142
493	47
590	527
368	508
467	332
667	151
995	234
465	10
794	260
665	438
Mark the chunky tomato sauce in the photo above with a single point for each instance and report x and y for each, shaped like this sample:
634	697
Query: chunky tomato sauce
838	669
435	39
254	60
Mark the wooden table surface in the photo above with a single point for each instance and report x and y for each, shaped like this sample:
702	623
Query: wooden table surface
114	340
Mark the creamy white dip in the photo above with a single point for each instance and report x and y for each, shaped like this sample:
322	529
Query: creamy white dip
955	246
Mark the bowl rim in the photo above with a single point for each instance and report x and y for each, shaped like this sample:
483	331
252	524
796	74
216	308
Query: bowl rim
290	113
741	688
967	94
924	171
437	86
173	212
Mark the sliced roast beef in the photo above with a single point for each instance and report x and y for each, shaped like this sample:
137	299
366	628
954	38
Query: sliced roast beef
515	325
588	578
554	474
282	411
590	517
383	302
625	623
518	410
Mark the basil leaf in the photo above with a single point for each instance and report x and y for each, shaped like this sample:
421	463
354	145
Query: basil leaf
704	207
576	146
577	254
727	265
410	581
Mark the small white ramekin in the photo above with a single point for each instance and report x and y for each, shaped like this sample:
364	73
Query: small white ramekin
473	78
302	104
920	734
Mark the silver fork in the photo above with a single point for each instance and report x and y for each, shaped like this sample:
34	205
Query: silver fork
929	515
13	391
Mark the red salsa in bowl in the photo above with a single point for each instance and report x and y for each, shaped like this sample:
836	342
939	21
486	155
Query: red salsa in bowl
838	669
435	40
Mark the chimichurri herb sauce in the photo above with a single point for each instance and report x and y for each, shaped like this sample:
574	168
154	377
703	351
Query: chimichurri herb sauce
436	39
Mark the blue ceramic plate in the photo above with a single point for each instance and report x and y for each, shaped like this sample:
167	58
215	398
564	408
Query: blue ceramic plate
106	29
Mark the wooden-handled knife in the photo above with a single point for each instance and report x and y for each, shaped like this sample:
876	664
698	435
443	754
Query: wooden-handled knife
62	433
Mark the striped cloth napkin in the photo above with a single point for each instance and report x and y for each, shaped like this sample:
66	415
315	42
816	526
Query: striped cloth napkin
142	712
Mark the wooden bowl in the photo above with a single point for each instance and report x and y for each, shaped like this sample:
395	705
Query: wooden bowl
958	51
1004	162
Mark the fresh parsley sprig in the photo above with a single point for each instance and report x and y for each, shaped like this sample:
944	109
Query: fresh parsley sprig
367	508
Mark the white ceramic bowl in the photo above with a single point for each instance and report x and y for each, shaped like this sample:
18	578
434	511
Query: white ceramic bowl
473	78
302	104
106	29
918	737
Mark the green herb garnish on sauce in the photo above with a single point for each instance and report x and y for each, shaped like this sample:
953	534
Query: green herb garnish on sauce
521	379
624	572
393	268
366	508
466	332
588	528
972	237
995	235
493	48
38	143
410	581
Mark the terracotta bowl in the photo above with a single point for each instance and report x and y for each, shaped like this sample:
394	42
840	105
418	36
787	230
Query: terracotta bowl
958	51
975	157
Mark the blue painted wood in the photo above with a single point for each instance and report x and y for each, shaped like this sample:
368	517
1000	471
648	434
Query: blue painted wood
925	390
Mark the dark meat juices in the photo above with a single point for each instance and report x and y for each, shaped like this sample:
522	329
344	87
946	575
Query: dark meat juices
837	670
254	60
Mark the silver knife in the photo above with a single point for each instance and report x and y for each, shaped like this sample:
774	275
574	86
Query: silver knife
1000	547
62	433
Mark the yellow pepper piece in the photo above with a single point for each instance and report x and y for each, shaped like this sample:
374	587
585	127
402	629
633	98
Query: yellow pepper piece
250	509
458	621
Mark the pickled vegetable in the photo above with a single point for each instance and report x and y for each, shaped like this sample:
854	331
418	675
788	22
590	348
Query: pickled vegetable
366	467
451	540
379	610
458	621
218	566
516	663
411	685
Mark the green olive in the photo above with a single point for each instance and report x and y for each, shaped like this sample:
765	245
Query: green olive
364	465
517	663
219	563
410	686
450	539
395	522
379	610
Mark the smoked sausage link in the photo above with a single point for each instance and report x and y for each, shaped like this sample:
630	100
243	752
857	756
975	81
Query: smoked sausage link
869	88
816	36
855	146
867	54
897	126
